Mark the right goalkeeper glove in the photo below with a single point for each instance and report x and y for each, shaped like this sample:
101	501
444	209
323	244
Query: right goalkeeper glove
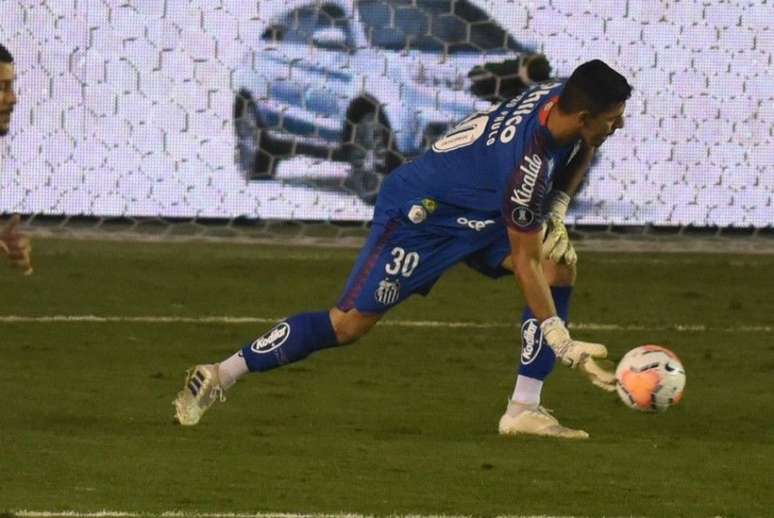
556	245
578	354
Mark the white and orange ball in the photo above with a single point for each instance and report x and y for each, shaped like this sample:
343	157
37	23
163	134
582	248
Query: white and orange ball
650	378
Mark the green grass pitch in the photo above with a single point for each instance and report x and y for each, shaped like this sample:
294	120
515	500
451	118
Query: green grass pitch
403	421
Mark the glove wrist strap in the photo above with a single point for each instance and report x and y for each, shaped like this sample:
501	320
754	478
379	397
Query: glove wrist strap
551	322
560	202
556	335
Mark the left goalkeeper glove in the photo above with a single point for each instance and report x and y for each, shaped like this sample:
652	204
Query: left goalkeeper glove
597	375
556	245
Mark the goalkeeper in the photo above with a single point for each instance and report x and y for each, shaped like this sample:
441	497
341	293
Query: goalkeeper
493	192
12	244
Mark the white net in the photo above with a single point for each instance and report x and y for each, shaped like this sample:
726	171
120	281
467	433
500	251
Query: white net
291	110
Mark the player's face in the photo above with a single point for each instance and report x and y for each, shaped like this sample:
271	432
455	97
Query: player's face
596	129
7	96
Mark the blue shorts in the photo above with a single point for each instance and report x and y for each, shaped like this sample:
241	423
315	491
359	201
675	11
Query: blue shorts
401	258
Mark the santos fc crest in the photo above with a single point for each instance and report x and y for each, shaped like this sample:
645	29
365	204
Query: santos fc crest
388	291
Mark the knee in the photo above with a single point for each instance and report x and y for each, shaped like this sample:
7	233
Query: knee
351	325
560	274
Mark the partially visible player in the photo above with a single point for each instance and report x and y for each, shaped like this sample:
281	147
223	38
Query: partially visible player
7	95
493	192
12	243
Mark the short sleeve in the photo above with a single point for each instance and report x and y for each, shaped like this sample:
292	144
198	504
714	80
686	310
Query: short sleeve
523	203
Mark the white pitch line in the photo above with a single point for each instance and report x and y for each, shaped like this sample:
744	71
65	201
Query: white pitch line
580	326
174	514
146	319
187	514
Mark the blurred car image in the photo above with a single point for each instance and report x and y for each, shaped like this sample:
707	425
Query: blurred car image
370	82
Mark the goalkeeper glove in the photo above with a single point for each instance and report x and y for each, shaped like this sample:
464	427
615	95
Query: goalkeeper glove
556	244
16	246
578	354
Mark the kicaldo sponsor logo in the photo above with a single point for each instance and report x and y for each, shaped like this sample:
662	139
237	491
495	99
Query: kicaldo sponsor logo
532	341
522	194
273	338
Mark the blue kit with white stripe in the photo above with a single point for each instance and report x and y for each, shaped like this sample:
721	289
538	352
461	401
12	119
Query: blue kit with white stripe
453	203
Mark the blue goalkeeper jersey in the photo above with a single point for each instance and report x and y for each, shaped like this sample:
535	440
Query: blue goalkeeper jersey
494	166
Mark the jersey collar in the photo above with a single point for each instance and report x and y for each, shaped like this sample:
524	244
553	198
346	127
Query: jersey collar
546	110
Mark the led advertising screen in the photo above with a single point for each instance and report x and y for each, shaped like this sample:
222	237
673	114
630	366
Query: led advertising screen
291	109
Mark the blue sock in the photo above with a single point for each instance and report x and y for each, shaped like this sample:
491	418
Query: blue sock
561	296
289	341
537	358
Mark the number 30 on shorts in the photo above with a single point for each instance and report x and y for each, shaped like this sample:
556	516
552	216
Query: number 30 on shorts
402	262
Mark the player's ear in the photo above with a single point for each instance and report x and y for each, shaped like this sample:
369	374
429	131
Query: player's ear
584	117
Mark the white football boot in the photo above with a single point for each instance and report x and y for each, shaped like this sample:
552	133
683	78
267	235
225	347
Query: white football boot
202	388
521	419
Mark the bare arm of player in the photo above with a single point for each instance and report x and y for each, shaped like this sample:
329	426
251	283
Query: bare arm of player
526	253
569	179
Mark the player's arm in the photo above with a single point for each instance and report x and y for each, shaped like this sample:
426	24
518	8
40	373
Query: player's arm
524	224
569	178
526	253
567	181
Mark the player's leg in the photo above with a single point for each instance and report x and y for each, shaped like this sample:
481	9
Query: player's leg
524	415
528	417
288	341
537	361
396	261
294	339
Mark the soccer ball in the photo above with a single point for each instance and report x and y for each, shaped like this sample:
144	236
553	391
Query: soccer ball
650	378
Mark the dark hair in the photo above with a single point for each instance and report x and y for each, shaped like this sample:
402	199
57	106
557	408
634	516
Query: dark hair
5	55
594	87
